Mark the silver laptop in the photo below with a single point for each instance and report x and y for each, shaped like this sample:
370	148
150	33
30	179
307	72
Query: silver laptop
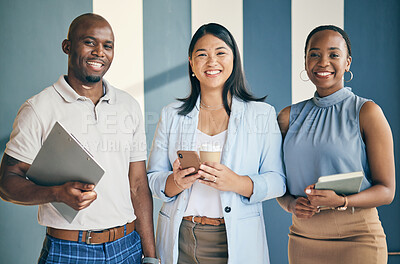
61	159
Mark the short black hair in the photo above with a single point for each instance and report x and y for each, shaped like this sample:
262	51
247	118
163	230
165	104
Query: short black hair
333	28
236	84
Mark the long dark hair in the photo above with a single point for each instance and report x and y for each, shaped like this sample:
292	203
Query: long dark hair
236	83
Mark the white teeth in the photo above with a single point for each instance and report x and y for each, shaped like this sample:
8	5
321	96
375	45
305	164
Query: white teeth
323	73
95	64
212	72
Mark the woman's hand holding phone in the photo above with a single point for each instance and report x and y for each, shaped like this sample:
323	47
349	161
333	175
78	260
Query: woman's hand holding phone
183	178
179	180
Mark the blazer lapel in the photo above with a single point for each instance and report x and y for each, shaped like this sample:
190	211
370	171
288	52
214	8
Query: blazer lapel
189	127
234	122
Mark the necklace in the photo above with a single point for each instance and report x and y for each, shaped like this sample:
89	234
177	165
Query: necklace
212	122
210	107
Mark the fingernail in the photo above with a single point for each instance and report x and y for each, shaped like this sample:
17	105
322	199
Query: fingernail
308	191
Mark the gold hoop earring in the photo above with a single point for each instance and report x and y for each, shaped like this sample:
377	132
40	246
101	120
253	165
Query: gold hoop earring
351	76
301	76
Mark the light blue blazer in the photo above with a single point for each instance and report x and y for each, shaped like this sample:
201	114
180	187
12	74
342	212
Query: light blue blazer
252	148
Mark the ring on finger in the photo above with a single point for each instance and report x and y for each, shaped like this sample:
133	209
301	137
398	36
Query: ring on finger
215	179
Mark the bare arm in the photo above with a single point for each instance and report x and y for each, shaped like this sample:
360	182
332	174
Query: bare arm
285	201
178	180
15	188
143	204
378	139
379	144
301	206
283	122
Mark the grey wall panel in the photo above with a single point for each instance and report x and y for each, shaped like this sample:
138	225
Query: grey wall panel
166	38
374	31
267	63
32	59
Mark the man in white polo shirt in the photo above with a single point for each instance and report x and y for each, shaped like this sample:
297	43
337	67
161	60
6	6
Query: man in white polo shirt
115	221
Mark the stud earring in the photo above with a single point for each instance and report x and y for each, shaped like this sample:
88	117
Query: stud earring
193	75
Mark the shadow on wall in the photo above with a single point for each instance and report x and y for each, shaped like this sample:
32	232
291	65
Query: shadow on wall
166	77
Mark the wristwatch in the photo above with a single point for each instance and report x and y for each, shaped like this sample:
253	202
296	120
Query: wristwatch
150	260
344	207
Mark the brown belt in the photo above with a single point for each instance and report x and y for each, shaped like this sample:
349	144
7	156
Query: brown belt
205	220
92	237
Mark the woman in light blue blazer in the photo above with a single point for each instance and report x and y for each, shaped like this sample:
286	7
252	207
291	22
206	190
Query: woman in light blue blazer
215	215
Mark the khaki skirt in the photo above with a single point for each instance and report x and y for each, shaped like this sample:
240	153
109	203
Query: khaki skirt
331	236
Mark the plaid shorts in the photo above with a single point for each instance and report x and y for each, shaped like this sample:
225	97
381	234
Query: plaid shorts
127	249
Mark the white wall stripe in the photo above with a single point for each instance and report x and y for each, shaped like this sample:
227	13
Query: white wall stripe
306	15
228	13
127	70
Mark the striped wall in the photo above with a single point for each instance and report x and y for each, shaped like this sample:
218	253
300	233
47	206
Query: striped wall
267	62
152	38
127	71
306	15
165	39
128	28
203	14
374	30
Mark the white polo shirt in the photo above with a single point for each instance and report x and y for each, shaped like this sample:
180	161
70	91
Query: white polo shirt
112	131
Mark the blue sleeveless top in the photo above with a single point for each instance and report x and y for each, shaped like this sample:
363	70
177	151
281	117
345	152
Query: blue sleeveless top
324	138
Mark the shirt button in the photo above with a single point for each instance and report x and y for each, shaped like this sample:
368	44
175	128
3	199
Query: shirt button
227	209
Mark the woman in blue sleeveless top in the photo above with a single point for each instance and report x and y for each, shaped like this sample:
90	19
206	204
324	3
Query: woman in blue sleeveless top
335	132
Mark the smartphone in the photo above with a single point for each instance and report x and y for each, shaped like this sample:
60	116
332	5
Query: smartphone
189	159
